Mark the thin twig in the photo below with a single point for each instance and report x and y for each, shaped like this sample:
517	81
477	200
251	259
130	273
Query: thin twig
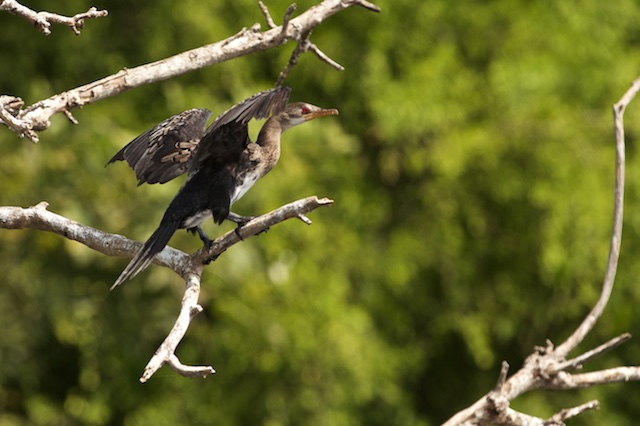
502	377
367	5
616	235
267	16
324	57
303	46
565	381
43	20
569	413
194	371
287	17
593	353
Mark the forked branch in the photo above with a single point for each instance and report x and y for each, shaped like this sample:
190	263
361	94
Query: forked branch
189	267
547	367
36	118
43	20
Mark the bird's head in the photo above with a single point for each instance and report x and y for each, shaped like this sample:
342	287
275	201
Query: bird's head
300	112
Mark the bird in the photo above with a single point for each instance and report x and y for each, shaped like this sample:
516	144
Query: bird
221	163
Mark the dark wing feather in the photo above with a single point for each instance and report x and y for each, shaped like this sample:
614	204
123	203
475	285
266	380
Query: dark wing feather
163	152
227	136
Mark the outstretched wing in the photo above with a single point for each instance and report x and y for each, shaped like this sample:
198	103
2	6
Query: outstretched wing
163	152
227	136
180	143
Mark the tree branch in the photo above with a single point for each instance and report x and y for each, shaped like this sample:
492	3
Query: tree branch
616	234
188	267
39	218
546	367
43	20
35	118
303	43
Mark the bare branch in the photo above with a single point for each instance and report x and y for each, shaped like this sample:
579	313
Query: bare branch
258	225
192	273
36	118
9	109
303	46
578	361
367	5
544	369
38	217
502	377
188	267
568	413
43	20
287	16
187	370
565	381
616	234
324	57
166	352
267	16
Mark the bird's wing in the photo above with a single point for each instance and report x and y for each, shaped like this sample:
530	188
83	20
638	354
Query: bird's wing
227	136
163	152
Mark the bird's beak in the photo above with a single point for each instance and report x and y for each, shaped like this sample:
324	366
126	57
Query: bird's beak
320	113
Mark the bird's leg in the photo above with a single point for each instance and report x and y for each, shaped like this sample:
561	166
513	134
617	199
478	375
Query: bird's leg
203	236
241	221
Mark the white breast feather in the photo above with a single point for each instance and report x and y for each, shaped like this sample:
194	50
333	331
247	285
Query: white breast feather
247	182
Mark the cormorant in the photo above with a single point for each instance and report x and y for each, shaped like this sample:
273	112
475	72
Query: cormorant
221	162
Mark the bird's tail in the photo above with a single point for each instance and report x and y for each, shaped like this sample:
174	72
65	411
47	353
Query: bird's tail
156	242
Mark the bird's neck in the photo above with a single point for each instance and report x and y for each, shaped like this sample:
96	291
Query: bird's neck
269	142
269	136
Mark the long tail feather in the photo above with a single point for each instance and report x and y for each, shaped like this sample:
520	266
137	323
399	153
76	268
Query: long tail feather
153	246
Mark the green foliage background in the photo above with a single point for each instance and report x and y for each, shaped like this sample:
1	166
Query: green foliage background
472	173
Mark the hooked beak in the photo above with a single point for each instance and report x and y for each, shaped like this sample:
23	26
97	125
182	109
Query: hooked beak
320	113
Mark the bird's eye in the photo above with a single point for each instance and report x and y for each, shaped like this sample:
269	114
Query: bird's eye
305	110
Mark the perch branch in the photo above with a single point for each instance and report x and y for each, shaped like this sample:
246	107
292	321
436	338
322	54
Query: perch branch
188	267
258	225
190	307
36	118
39	218
546	367
43	20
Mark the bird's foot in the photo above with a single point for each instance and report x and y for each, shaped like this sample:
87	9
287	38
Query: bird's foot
208	261
203	236
239	227
237	231
239	219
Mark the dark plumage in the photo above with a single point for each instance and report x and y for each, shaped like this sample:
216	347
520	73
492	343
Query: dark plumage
222	163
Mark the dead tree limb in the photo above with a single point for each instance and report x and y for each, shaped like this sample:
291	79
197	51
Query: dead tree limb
547	367
189	267
303	46
36	118
43	20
